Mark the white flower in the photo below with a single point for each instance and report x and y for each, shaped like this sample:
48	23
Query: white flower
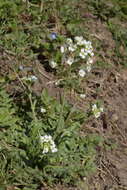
21	67
94	107
88	67
88	48
88	44
84	42
101	109
45	138
92	54
79	40
45	150
82	95
89	60
97	114
82	73
82	53
82	50
57	82
53	64
96	111
72	47
48	144
62	49
69	41
48	138
88	51
43	110
33	78
30	79
70	61
54	150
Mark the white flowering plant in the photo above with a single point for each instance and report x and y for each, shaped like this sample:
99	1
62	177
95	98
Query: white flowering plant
42	140
70	59
55	144
97	109
48	144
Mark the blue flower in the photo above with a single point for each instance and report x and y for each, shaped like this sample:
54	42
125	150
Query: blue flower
53	35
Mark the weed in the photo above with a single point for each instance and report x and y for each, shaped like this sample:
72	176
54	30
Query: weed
44	147
69	59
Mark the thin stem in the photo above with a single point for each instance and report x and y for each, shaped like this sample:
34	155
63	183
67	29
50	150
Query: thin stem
33	104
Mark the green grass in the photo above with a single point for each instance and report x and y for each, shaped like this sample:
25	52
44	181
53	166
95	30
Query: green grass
119	34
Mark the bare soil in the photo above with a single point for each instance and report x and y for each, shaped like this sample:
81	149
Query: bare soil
112	171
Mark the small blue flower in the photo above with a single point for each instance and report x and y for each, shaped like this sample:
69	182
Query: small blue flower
53	35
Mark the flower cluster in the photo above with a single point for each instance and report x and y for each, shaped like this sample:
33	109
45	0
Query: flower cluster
97	111
48	144
78	52
31	78
43	110
53	64
82	95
